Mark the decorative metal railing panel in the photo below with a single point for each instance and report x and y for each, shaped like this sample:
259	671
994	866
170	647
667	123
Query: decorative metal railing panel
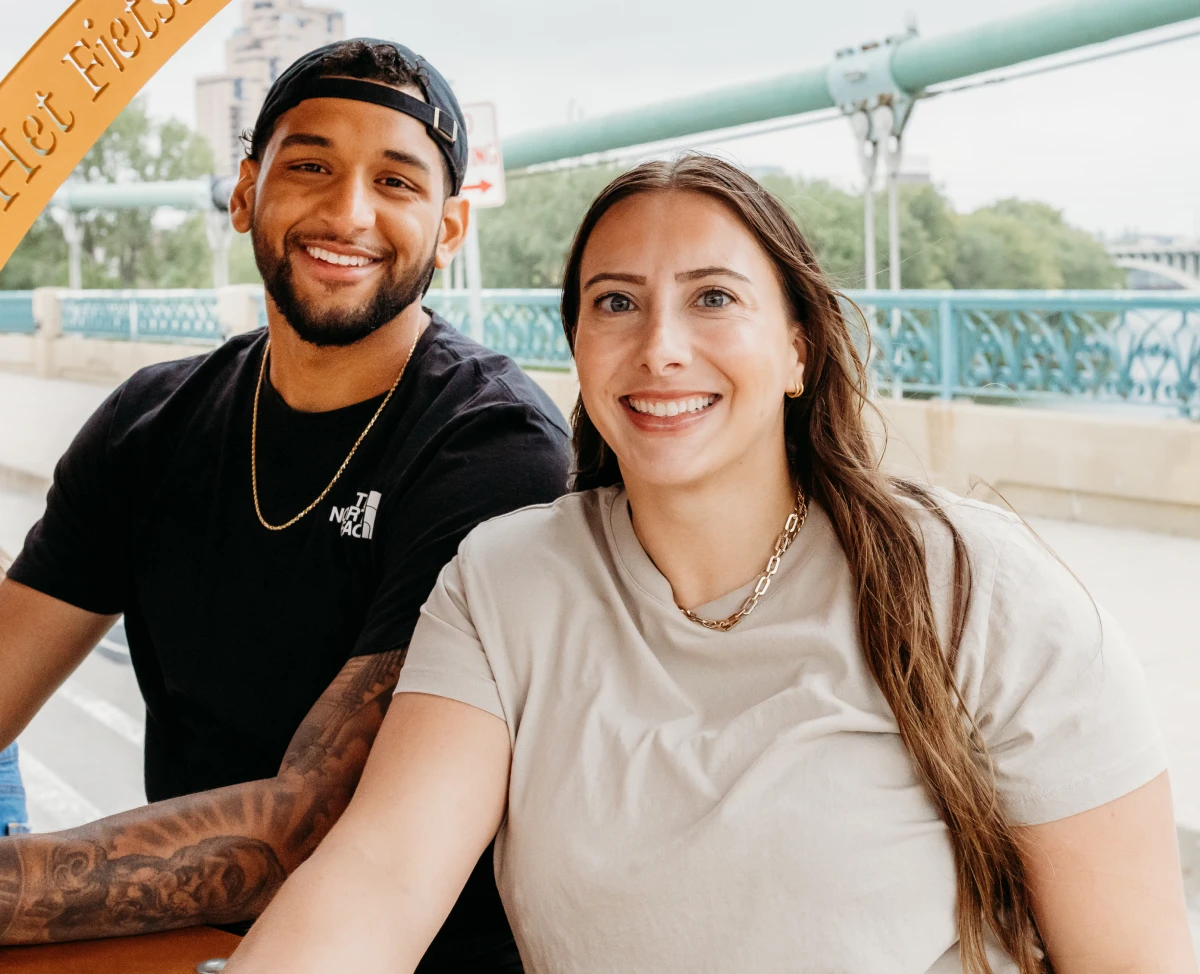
16	313
1106	346
525	325
168	315
1119	347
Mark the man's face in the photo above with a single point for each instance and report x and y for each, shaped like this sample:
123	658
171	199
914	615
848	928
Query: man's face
345	211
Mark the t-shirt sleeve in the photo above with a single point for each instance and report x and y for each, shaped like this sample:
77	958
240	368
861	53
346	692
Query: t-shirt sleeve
446	657
497	459
77	551
1059	694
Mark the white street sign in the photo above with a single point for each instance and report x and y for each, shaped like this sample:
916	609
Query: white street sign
484	183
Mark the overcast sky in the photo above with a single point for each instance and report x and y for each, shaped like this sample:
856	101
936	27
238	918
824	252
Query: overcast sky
1115	144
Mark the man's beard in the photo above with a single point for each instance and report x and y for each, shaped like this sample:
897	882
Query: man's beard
398	289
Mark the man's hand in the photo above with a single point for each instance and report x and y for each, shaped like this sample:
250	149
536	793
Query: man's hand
214	857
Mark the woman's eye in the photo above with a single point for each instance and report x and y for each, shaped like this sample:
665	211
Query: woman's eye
715	299
617	303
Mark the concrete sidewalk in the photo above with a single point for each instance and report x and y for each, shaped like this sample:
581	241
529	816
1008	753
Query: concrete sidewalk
38	420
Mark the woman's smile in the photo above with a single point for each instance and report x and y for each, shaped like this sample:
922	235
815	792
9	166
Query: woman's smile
668	412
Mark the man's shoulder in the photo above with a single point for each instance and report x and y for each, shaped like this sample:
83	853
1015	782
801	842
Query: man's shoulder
144	394
473	376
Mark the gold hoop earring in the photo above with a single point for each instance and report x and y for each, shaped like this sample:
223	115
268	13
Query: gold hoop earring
798	393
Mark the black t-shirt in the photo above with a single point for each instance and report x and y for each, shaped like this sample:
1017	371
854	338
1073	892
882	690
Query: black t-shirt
234	630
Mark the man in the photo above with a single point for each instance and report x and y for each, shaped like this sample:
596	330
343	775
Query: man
270	517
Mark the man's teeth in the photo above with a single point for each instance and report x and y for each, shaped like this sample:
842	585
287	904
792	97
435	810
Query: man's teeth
655	407
342	260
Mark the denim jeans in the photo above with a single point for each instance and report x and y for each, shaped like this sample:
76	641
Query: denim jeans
13	817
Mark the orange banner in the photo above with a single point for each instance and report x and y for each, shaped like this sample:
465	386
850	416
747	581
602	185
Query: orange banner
68	88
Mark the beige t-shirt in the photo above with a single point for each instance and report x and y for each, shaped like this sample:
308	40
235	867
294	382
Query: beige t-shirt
687	800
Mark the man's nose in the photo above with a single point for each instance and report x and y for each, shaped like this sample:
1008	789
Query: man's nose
350	207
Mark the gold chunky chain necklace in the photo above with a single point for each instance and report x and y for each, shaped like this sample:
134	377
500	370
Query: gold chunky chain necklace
262	369
791	528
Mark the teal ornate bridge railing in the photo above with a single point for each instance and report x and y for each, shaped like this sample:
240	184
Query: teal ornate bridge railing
1106	346
524	325
168	315
16	313
1120	347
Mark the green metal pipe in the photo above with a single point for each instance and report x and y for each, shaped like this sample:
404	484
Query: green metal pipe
792	94
916	64
921	63
187	194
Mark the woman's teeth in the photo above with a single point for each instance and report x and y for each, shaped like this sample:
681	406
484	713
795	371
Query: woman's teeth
342	260
655	407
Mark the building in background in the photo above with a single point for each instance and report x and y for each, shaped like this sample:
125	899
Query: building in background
272	35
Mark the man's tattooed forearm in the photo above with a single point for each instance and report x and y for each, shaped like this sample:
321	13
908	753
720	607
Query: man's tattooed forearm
213	857
80	891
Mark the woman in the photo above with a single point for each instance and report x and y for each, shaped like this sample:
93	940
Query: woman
742	703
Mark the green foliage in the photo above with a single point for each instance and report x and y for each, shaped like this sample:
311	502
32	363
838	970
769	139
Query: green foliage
123	248
40	260
1013	244
524	243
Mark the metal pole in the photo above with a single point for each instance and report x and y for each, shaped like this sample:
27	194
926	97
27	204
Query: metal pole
474	280
219	233
73	233
871	261
868	158
894	156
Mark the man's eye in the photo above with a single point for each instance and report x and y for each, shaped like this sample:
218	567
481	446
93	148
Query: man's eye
391	182
715	299
616	303
308	167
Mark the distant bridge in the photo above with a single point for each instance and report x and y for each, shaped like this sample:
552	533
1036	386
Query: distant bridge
1167	266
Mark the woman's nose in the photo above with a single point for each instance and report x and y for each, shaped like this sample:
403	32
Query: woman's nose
666	344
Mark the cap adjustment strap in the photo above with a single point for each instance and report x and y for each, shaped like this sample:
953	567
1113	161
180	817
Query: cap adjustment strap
438	122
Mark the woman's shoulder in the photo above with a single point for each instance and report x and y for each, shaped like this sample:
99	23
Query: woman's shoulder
1012	568
539	532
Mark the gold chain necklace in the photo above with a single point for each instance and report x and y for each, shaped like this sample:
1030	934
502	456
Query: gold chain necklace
345	463
791	528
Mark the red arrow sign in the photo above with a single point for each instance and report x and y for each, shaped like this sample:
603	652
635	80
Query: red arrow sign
482	186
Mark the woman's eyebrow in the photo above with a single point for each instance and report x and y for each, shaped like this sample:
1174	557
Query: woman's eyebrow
699	272
613	276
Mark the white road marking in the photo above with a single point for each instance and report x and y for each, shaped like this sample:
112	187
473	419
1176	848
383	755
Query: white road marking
114	647
49	793
112	717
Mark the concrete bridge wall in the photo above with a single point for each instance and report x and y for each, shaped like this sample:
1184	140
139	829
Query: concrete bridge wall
1090	467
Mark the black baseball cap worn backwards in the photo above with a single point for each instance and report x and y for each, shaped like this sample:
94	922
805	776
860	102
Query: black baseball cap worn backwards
440	112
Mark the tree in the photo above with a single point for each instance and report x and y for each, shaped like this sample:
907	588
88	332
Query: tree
126	248
524	243
1012	244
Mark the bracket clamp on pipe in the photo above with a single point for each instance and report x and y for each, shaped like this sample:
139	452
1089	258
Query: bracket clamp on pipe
861	82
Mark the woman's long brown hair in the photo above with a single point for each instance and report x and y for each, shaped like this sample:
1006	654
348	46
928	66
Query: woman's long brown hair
831	456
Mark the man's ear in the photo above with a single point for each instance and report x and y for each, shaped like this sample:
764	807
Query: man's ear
241	202
456	217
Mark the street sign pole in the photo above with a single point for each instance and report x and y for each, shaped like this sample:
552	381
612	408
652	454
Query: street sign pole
474	279
484	187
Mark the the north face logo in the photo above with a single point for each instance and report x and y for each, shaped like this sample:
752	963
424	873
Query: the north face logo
358	521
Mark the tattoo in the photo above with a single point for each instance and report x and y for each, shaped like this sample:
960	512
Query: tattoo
214	857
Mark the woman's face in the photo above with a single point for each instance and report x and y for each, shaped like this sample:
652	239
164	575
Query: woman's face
685	345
